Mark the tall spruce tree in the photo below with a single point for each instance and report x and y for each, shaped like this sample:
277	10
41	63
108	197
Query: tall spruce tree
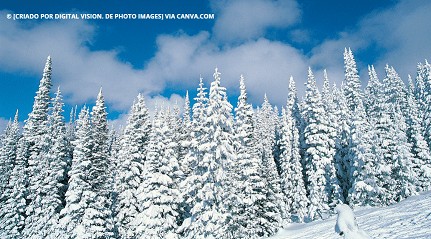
364	168
424	99
159	194
342	125
8	150
322	184
292	180
210	213
352	86
12	201
403	167
58	159
131	158
97	221
373	95
250	199
265	134
80	192
419	147
36	143
193	180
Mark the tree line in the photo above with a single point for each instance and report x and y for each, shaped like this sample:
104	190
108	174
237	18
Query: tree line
215	171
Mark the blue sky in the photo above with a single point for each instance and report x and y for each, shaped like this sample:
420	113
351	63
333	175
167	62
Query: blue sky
267	41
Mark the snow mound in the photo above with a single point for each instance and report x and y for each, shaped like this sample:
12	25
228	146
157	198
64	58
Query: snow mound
346	223
408	219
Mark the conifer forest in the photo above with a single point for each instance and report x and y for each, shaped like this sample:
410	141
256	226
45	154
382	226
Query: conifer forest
211	169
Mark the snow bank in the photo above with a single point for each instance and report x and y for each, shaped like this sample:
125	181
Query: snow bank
409	219
346	224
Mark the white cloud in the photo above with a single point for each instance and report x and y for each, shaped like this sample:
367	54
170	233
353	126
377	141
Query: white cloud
266	65
250	19
79	71
399	36
402	33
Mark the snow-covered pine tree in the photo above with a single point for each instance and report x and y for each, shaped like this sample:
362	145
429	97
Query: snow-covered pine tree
420	90
352	86
8	150
12	202
186	114
403	171
79	193
322	184
265	134
36	146
424	99
419	147
373	95
130	172
210	213
193	181
184	131
337	131
365	152
97	221
159	194
292	179
250	198
342	126
385	130
58	159
13	215
395	90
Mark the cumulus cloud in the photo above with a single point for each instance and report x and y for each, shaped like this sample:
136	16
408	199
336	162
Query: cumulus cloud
398	36
79	71
266	65
249	19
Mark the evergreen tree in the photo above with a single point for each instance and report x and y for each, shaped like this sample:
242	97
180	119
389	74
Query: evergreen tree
352	87
80	192
58	159
250	199
425	101
403	170
419	147
87	213
158	194
36	145
265	134
97	221
364	151
131	158
337	131
320	150
421	92
8	152
12	199
292	180
373	95
210	213
193	181
341	122
395	90
385	129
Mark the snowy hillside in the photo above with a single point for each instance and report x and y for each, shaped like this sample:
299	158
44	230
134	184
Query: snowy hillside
410	218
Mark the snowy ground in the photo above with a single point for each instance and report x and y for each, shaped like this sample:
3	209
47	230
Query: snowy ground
410	218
